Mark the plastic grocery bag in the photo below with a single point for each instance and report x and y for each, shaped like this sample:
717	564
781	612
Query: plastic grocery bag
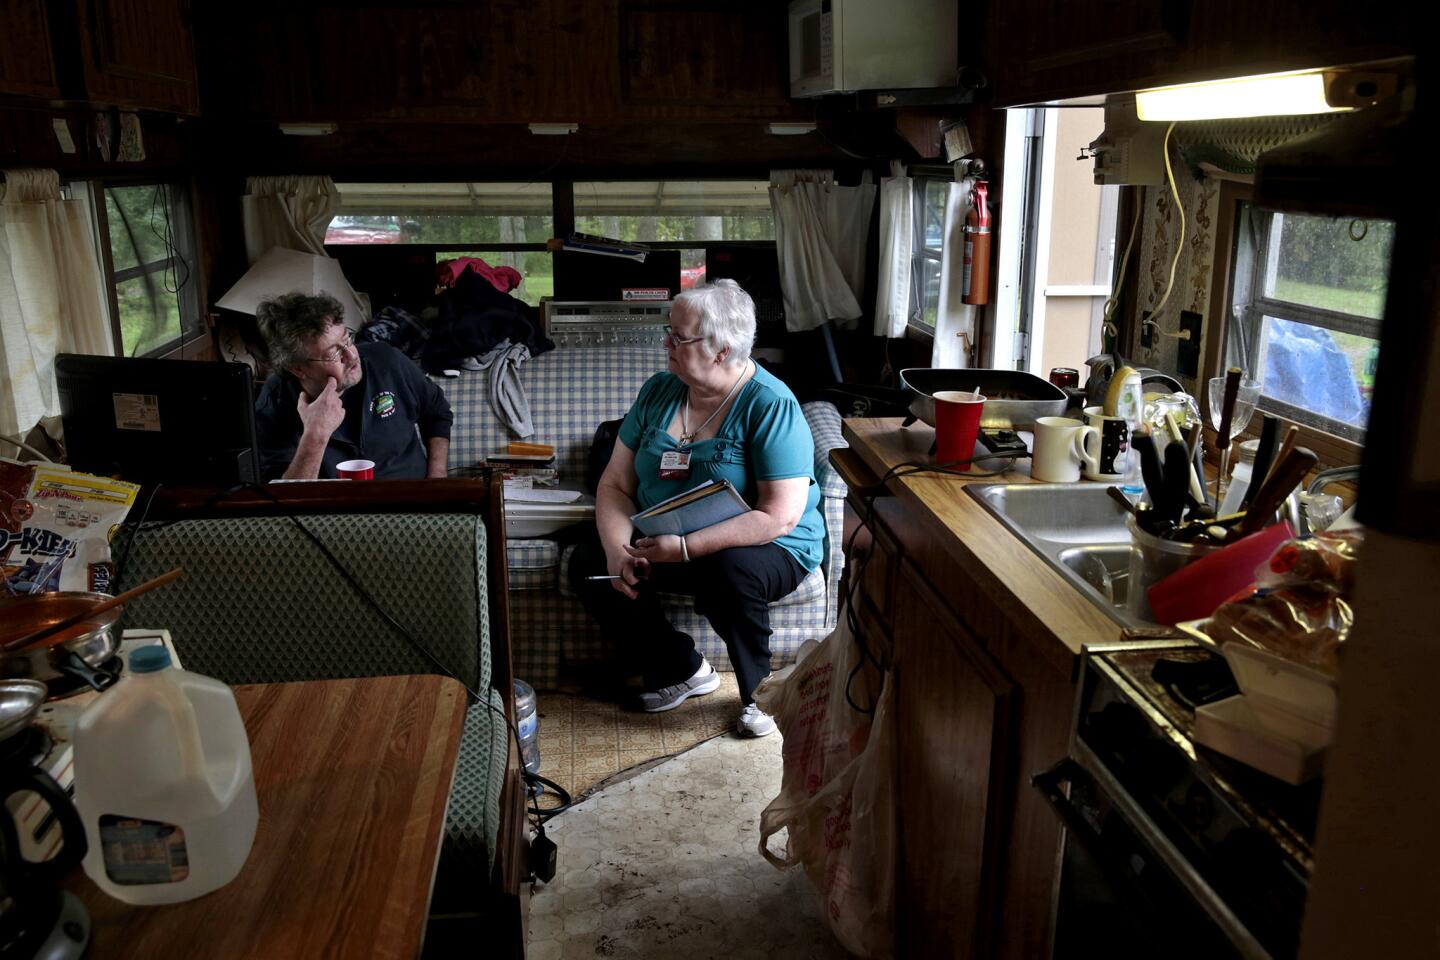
836	799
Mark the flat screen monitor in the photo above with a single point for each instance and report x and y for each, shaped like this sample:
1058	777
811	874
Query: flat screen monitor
596	277
757	270
183	422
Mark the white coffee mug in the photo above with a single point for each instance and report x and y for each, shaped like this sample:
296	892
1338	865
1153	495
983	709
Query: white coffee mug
1106	452
1058	449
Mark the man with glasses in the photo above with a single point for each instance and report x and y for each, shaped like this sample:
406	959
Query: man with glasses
330	400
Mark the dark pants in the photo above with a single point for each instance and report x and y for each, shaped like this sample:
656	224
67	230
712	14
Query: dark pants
733	589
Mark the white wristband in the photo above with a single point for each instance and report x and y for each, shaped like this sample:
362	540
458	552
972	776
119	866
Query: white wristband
684	550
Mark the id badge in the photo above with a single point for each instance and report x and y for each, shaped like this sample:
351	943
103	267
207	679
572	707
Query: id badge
674	465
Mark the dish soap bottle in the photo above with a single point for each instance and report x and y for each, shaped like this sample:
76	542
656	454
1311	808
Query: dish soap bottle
164	785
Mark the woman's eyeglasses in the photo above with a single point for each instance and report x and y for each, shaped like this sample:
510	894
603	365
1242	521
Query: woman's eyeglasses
337	352
671	338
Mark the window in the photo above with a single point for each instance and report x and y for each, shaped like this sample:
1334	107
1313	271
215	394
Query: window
146	228
930	196
1309	292
684	214
505	224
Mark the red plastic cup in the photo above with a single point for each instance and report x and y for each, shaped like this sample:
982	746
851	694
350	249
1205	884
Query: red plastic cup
356	469
957	424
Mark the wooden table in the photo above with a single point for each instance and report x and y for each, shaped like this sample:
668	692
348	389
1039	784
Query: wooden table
353	779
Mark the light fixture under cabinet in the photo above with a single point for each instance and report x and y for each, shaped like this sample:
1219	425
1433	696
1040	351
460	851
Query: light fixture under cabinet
308	129
1269	95
789	129
554	129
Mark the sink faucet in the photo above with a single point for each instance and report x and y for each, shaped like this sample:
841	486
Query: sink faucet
1295	511
1324	478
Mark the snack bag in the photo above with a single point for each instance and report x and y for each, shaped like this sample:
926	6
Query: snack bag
55	528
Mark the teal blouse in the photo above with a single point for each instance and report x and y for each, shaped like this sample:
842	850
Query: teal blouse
764	436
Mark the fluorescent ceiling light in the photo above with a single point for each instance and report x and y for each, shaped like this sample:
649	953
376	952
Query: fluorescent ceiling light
553	129
308	129
1281	94
789	129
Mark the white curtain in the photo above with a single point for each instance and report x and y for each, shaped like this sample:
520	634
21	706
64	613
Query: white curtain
820	233
955	322
897	248
289	212
52	294
293	213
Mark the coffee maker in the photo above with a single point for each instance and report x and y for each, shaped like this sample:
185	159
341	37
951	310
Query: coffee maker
38	920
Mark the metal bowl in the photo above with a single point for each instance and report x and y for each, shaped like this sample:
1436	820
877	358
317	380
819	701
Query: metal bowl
20	700
1014	400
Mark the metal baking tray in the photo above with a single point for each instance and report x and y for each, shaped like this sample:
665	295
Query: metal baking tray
1014	400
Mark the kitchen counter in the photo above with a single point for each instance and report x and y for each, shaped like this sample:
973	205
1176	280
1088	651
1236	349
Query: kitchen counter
1041	602
982	640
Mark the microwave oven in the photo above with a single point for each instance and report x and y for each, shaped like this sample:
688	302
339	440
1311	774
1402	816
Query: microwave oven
840	46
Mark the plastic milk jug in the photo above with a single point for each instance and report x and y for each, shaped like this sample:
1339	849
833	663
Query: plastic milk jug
163	784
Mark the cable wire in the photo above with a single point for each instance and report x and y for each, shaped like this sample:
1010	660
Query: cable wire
856	572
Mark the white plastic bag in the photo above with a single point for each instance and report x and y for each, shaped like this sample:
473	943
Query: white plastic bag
836	799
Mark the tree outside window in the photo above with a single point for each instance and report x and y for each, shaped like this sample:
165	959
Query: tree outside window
148	233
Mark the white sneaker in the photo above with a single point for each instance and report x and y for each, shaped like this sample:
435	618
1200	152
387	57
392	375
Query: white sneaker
706	680
754	722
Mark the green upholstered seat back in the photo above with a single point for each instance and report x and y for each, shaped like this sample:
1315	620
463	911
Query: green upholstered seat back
259	602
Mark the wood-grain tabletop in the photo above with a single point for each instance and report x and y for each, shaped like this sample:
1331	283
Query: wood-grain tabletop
353	779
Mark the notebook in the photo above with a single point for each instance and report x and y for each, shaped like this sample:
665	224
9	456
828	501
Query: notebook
706	505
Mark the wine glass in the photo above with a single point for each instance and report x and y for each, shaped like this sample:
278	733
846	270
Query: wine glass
1245	399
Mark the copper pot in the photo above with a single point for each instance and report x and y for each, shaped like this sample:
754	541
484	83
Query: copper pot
82	652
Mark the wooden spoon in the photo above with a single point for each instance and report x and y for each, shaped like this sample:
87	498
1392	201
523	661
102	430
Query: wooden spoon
31	639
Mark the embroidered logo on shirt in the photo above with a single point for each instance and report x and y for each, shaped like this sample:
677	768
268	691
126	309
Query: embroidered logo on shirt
384	404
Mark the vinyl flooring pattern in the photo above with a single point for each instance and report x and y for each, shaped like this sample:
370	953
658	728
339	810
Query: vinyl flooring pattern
585	741
664	865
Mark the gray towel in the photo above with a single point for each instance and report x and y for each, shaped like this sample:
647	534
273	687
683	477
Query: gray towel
507	393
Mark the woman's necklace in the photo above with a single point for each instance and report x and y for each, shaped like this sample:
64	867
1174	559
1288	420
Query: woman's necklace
687	436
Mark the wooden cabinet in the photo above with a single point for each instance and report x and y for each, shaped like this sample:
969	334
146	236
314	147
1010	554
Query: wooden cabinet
510	61
124	53
953	722
1046	49
27	67
984	699
139	53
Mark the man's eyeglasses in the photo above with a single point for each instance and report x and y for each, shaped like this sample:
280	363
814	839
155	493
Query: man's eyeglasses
337	352
679	341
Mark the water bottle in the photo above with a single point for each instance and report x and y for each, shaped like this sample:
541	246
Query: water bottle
1240	477
163	784
527	721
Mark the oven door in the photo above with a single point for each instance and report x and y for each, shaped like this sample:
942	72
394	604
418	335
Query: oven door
1125	890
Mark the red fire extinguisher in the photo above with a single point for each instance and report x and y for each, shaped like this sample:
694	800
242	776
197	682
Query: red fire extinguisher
976	281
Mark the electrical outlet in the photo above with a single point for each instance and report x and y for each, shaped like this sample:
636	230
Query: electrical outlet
1147	331
1187	357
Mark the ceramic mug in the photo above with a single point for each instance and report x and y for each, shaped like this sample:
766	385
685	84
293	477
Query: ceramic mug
1106	447
1059	449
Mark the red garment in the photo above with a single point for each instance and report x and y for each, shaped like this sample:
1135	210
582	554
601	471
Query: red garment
503	279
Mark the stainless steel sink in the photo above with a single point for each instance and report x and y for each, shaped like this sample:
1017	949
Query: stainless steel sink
1075	528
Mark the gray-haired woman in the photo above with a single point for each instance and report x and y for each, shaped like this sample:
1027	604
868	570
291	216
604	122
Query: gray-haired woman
712	415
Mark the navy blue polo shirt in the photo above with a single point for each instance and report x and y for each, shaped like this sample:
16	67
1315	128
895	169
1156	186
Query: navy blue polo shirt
382	414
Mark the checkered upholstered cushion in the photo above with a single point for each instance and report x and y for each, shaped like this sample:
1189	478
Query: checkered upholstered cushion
571	391
533	563
472	821
260	604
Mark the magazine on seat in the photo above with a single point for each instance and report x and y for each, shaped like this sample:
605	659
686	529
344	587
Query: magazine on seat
706	505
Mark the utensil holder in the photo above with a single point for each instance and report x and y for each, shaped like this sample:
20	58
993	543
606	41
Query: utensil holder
1152	560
